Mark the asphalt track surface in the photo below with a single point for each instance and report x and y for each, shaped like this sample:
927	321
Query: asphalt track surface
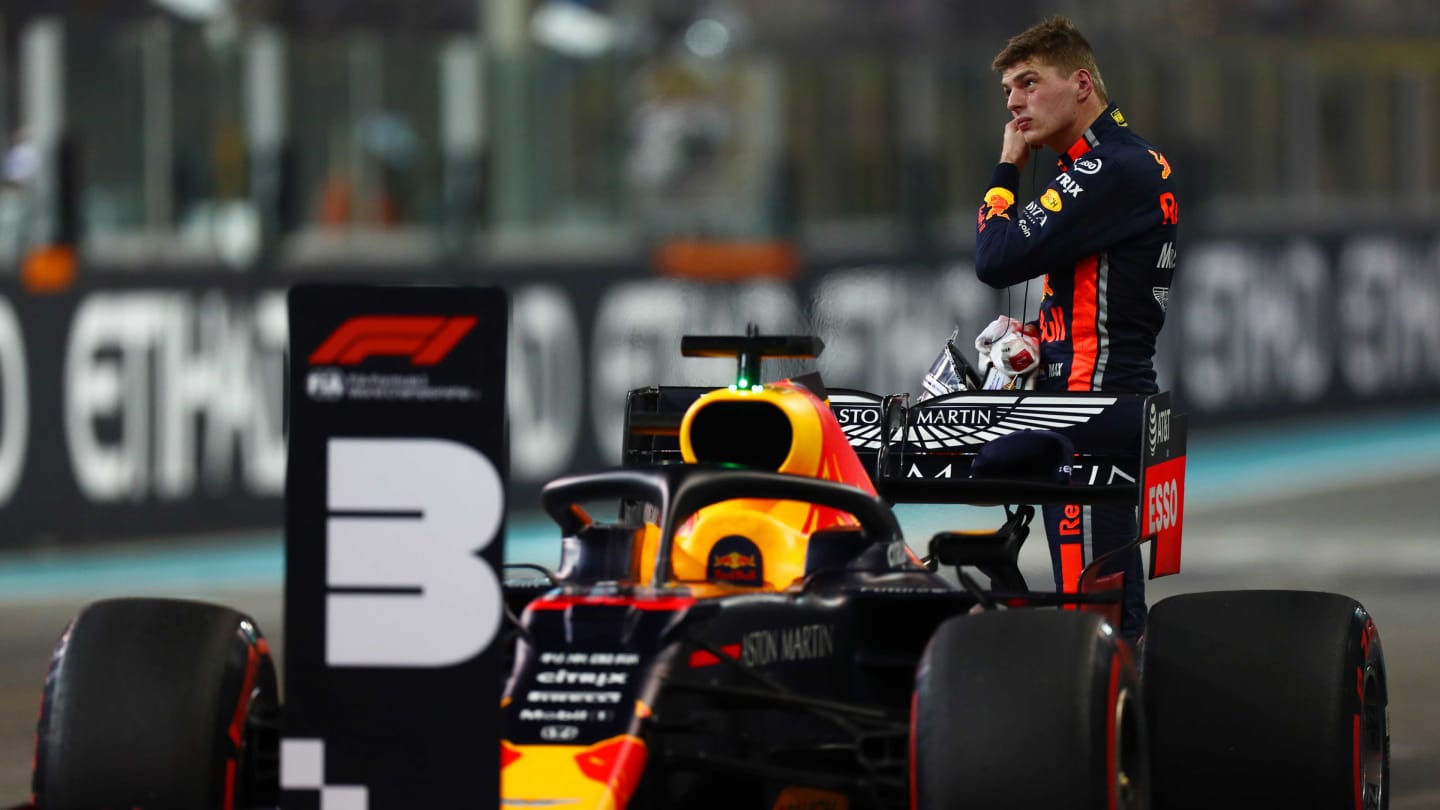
1352	510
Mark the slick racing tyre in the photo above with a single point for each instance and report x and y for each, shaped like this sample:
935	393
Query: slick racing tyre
1028	709
161	704
1266	699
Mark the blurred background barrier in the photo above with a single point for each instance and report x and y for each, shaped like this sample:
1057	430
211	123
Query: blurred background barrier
151	404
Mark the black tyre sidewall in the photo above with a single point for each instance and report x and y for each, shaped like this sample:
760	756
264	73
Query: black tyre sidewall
141	702
1015	709
1254	698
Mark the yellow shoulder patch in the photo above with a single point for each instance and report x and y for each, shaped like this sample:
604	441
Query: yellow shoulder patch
997	201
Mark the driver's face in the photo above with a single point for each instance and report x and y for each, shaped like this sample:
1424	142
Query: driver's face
1042	101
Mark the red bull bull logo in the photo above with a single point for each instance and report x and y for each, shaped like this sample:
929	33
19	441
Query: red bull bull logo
1162	162
736	560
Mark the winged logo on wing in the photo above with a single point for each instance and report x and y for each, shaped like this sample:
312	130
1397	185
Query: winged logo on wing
860	419
962	423
953	426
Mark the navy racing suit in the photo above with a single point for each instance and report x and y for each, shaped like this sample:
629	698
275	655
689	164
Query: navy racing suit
1103	234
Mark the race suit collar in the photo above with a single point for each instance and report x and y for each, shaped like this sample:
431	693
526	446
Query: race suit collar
1107	123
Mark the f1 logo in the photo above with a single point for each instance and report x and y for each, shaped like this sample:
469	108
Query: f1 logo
407	586
425	339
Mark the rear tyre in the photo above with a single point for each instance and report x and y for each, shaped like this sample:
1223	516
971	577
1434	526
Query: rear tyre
1265	699
160	704
1028	709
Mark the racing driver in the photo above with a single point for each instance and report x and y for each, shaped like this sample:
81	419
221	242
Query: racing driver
1103	234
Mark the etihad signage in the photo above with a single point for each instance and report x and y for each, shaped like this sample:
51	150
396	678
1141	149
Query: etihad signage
14	402
148	404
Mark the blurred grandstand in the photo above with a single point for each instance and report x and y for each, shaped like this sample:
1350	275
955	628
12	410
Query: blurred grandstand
251	133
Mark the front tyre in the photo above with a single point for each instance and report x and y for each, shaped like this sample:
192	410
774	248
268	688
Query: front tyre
158	703
1266	699
1028	709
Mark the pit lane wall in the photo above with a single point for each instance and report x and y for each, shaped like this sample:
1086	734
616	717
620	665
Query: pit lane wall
145	405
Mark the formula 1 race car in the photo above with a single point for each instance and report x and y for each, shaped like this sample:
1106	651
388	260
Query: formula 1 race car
737	621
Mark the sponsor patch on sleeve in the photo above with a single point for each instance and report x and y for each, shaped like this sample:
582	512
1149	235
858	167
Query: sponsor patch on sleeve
997	201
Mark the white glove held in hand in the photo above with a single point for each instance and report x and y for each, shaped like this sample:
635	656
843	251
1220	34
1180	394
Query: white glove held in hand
1016	354
998	328
1007	350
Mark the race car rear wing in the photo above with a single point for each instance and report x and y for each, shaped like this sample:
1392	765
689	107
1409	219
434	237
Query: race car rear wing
1129	448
